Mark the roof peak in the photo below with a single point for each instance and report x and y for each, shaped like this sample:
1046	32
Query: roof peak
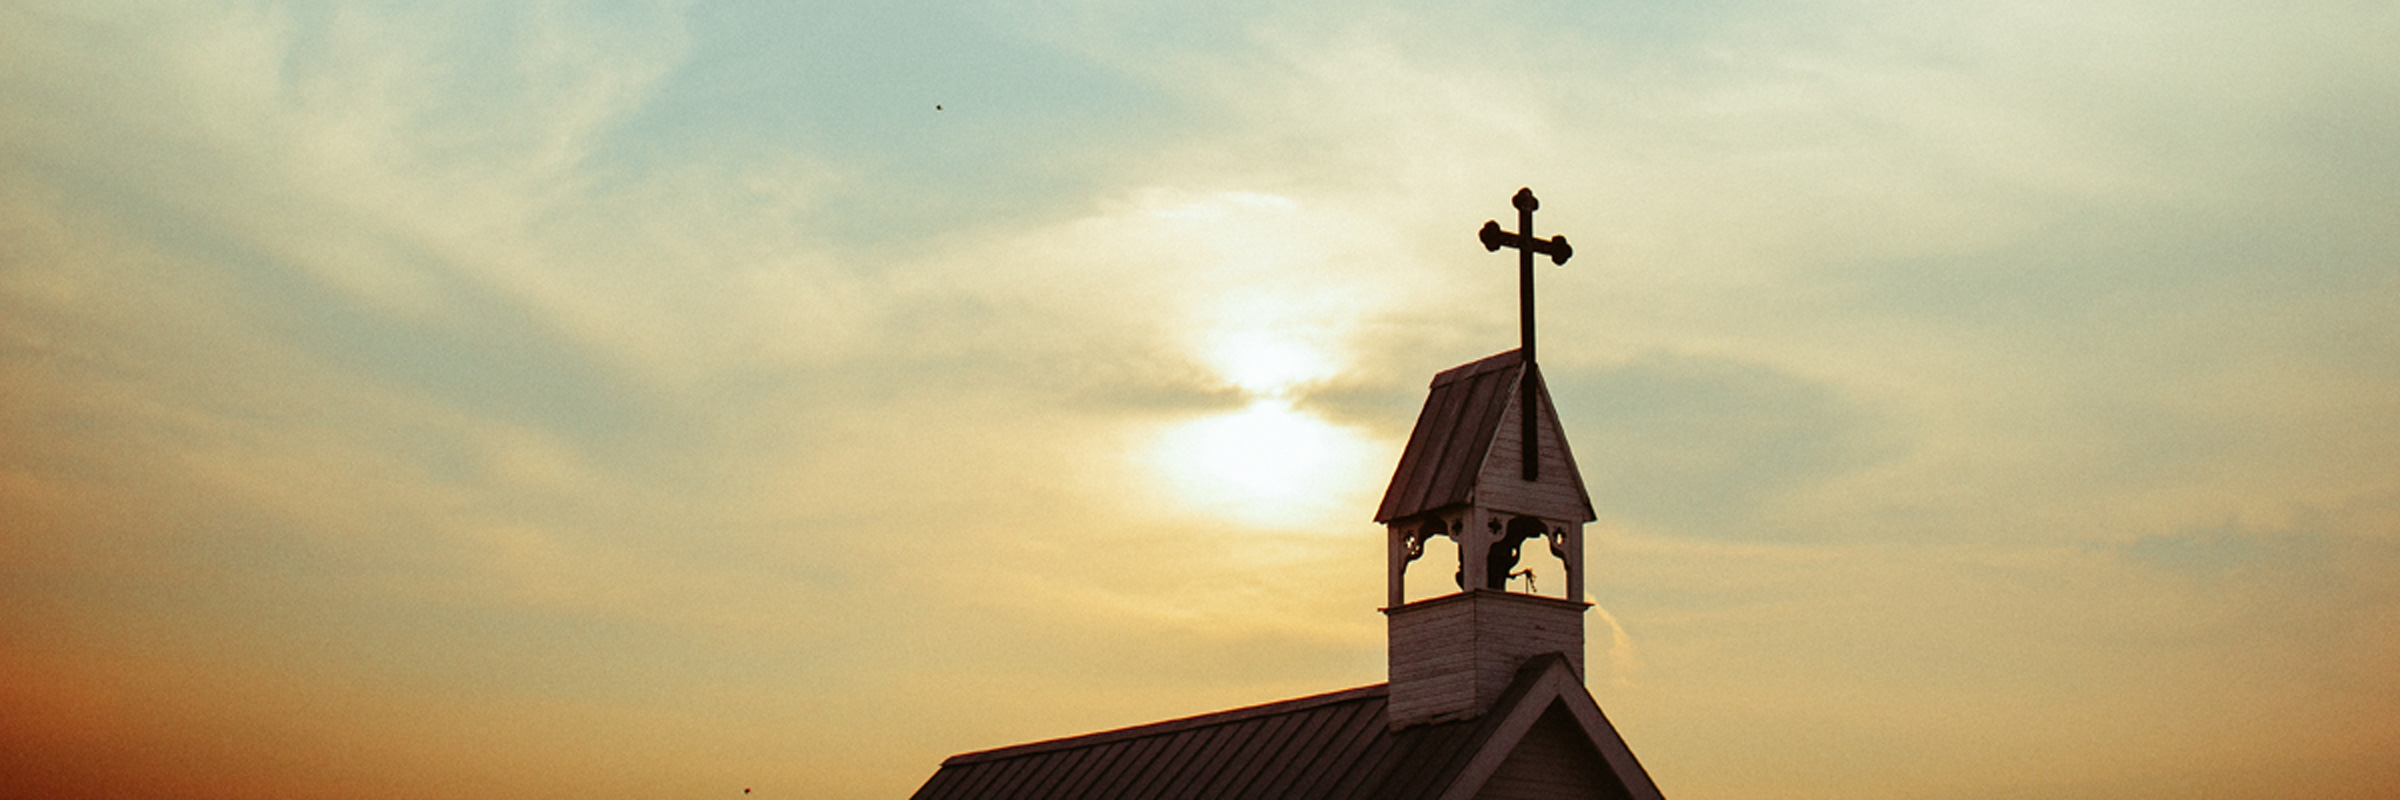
1492	363
1455	435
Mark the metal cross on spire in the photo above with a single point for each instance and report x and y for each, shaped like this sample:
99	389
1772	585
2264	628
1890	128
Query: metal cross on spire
1526	244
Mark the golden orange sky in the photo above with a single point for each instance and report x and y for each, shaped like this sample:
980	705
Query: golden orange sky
662	399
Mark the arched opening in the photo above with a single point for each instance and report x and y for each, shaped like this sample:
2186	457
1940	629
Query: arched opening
1529	558
1434	572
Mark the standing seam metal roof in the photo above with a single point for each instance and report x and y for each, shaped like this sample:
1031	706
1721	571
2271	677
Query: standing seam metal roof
1335	746
1453	433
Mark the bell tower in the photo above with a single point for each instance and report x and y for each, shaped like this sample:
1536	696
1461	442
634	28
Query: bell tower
1487	466
1460	477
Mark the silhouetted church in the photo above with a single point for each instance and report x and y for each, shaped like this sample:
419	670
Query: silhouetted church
1486	695
1485	699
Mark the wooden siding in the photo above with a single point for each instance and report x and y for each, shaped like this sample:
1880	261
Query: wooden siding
1554	761
1500	483
1432	666
1452	656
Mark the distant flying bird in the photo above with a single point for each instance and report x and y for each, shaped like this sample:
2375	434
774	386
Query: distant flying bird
937	106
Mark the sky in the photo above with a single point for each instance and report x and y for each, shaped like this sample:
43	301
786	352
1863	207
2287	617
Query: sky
456	399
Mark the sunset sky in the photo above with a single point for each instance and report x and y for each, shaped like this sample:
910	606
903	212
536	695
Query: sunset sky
625	399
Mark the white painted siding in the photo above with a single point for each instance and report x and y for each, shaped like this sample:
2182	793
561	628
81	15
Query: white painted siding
1452	656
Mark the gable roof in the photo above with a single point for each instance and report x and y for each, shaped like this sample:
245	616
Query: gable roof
1454	435
1545	684
1335	746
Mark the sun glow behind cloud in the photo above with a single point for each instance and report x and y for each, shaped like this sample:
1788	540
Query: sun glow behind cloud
1256	285
1266	466
1270	464
1262	364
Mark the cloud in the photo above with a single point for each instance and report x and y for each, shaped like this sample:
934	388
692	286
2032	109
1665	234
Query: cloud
1709	447
2331	580
1624	663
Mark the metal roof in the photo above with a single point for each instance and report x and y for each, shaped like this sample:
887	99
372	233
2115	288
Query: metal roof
1454	433
1332	746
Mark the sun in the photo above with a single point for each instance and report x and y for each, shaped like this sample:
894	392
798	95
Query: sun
1267	465
1270	464
1268	323
1265	365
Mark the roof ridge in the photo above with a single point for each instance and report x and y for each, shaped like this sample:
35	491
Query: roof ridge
1173	725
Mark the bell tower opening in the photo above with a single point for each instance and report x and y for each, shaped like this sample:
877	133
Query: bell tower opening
1529	554
1525	555
1431	564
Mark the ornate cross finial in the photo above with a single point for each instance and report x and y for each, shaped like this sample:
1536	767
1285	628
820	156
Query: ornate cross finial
1556	248
1523	239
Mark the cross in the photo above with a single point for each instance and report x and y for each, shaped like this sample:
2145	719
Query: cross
1556	248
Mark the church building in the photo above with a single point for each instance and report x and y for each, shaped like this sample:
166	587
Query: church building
1485	697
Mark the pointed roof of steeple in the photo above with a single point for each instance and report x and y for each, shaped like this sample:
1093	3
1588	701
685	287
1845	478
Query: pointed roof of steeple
1455	434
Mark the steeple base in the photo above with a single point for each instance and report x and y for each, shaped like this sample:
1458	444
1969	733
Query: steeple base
1452	656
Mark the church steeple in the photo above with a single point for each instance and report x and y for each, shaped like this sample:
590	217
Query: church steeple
1486	697
1487	466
